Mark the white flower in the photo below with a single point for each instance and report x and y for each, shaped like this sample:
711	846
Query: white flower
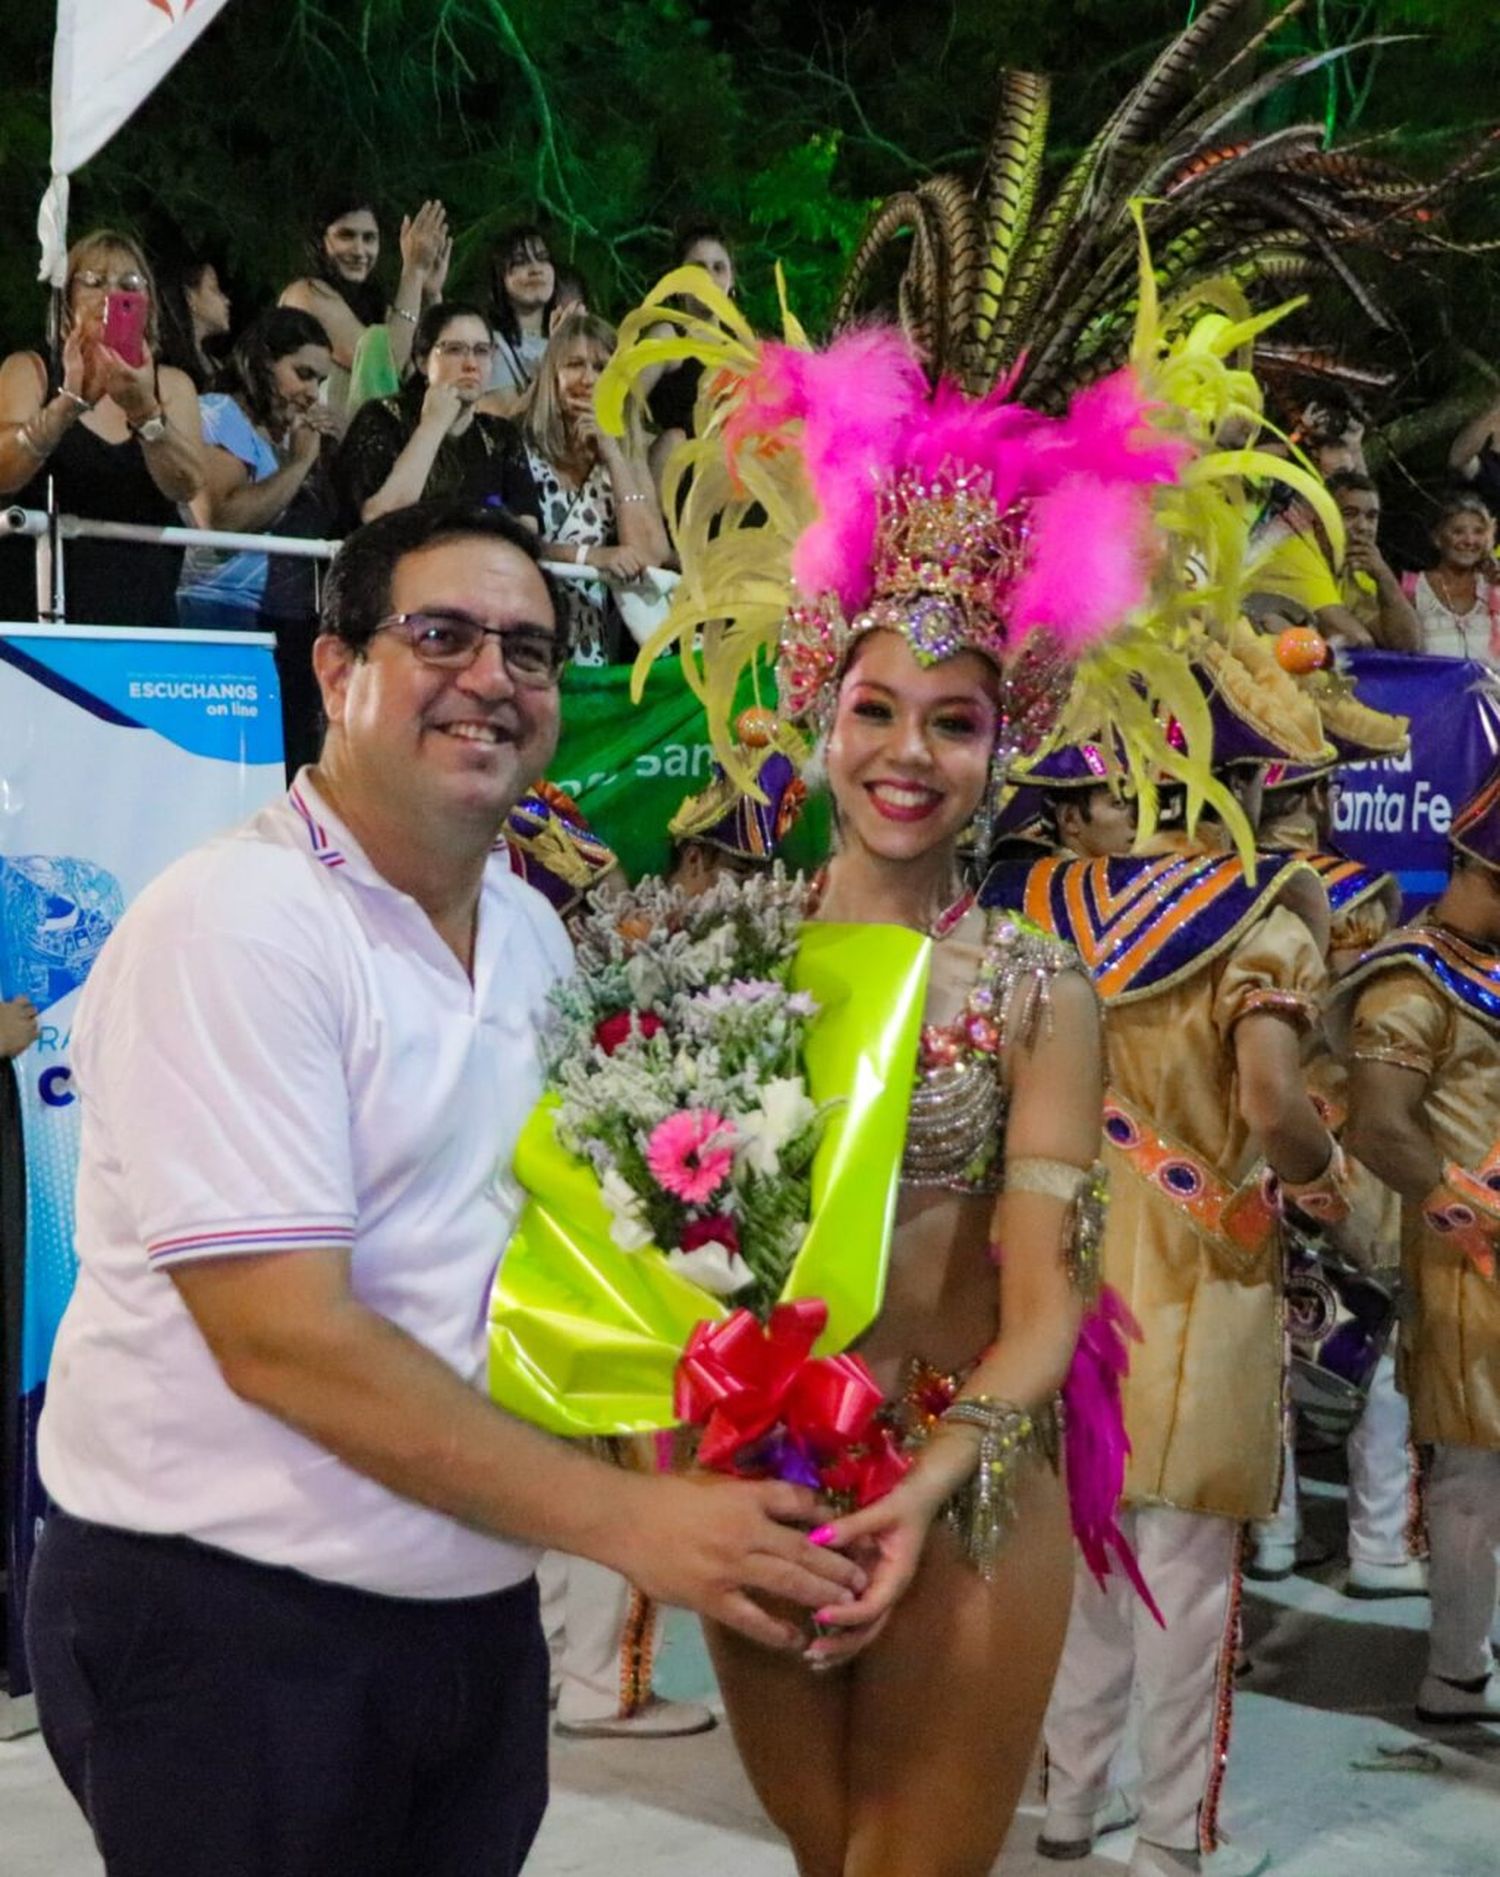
784	1112
646	978
712	1267
628	1226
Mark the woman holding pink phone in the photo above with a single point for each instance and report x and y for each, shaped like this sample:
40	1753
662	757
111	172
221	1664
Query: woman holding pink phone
118	434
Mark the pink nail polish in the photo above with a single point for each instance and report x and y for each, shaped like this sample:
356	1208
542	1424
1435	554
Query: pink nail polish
822	1536
824	1616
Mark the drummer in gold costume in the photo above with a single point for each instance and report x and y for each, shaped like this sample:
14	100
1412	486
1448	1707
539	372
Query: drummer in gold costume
1072	800
1423	1043
1209	985
1297	817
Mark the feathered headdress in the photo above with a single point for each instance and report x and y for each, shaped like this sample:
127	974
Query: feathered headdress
833	493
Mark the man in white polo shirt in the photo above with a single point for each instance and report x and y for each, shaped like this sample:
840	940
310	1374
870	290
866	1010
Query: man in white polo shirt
284	1621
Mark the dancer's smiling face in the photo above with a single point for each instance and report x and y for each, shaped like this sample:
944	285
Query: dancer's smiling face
909	752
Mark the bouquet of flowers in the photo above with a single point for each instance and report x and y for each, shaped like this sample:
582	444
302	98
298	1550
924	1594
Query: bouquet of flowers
677	1066
711	1179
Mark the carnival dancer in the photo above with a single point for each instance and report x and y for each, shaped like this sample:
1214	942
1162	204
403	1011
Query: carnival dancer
943	561
602	1632
727	827
1384	1525
1208	984
1082	805
1423	1046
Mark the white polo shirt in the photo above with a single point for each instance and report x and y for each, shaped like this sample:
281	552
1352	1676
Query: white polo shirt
276	1050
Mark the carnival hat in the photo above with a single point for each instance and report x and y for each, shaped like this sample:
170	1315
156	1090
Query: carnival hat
1260	714
1356	733
1071	766
727	817
553	848
749	822
1476	827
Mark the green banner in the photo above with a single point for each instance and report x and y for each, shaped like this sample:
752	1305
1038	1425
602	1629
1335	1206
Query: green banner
629	766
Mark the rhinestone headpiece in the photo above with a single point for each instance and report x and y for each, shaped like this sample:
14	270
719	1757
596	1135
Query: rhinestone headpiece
946	561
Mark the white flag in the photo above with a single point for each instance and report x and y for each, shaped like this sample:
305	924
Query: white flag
110	56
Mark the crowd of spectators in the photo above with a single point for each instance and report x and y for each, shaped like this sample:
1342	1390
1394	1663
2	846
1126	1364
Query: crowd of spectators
359	394
1446	603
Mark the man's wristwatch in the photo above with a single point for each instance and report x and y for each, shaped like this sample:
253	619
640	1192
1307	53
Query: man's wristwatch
153	430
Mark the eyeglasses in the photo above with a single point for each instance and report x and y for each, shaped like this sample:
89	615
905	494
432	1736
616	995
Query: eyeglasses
120	283
481	351
451	641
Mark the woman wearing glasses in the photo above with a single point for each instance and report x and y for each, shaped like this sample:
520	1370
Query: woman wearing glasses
120	441
429	440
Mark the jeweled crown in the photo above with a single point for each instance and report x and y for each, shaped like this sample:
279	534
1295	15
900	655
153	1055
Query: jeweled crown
947	556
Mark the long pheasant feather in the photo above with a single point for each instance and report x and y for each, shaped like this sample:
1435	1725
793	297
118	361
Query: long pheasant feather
954	231
1012	172
894	217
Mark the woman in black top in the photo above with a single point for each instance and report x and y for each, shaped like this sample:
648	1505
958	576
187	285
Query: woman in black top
429	440
672	390
121	443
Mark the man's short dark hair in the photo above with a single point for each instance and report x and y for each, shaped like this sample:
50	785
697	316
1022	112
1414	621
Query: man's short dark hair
1352	482
357	595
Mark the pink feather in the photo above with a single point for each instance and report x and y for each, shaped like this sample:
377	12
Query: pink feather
863	413
1096	1446
1086	566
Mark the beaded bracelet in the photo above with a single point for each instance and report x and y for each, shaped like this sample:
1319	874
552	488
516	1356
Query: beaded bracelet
400	312
1005	1437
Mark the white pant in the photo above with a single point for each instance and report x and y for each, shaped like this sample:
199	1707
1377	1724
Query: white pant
1182	1678
602	1634
1380	1479
1380	1473
1463	1530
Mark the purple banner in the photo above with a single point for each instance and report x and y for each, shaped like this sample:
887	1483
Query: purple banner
1396	815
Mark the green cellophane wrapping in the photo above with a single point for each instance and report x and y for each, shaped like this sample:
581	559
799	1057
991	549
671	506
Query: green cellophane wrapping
584	1337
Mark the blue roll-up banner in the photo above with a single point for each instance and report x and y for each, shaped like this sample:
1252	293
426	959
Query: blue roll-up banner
1395	815
119	751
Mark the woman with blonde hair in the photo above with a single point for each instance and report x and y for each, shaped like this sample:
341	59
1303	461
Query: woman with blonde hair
120	440
598	502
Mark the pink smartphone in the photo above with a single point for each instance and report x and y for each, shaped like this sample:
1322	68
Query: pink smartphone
124	329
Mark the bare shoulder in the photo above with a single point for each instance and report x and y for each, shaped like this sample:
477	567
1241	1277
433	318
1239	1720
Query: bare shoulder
23	386
311	296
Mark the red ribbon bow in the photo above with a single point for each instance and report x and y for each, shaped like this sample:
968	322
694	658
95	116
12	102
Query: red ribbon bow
739	1379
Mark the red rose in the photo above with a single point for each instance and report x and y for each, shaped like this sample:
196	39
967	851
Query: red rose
614	1030
716	1230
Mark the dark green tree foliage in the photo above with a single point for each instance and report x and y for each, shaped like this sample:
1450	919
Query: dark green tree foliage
612	119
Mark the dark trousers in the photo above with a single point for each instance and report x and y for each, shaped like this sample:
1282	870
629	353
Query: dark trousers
215	1717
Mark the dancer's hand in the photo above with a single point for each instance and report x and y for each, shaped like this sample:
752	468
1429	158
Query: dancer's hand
708	1543
887	1539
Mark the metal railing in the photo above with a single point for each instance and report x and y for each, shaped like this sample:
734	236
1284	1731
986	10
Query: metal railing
35	524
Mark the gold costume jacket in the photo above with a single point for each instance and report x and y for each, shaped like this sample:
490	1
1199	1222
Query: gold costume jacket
1364	905
1428	1002
1181	949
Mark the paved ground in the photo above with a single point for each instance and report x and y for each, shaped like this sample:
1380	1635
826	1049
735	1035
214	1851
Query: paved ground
1328	1768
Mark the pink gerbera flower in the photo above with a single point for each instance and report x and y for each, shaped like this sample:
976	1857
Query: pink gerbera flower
690	1154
